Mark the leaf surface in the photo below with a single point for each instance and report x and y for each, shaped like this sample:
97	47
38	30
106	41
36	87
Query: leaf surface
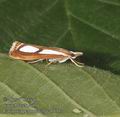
59	90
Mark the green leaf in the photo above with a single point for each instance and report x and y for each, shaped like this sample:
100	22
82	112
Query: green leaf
20	80
89	26
72	91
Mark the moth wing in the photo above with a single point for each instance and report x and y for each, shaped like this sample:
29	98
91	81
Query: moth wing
28	49
53	52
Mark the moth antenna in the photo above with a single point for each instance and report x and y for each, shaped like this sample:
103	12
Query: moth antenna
75	63
79	62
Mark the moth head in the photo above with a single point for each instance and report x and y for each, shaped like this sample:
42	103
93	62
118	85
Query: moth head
14	45
13	49
76	54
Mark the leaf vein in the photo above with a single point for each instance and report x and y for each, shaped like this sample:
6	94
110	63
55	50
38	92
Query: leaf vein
109	2
91	76
7	87
49	8
96	27
63	92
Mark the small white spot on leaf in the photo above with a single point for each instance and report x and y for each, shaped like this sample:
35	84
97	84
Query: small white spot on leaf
76	110
29	49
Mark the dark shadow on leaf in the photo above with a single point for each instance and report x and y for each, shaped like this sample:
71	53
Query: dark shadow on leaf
102	61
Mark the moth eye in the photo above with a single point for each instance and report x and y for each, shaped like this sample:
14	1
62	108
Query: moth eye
30	49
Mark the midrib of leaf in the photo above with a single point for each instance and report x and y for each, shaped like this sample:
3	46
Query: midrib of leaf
105	93
6	87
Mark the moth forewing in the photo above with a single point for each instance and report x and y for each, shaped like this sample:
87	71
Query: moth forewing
35	53
29	49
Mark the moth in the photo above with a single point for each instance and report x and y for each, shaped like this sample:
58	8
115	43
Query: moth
34	53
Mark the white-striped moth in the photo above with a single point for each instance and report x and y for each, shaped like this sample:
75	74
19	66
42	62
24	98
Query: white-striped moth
35	53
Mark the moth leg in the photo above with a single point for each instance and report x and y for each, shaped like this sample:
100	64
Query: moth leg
35	61
49	63
62	60
73	61
79	63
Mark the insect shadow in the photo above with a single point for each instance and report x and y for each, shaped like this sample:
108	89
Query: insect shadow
101	60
